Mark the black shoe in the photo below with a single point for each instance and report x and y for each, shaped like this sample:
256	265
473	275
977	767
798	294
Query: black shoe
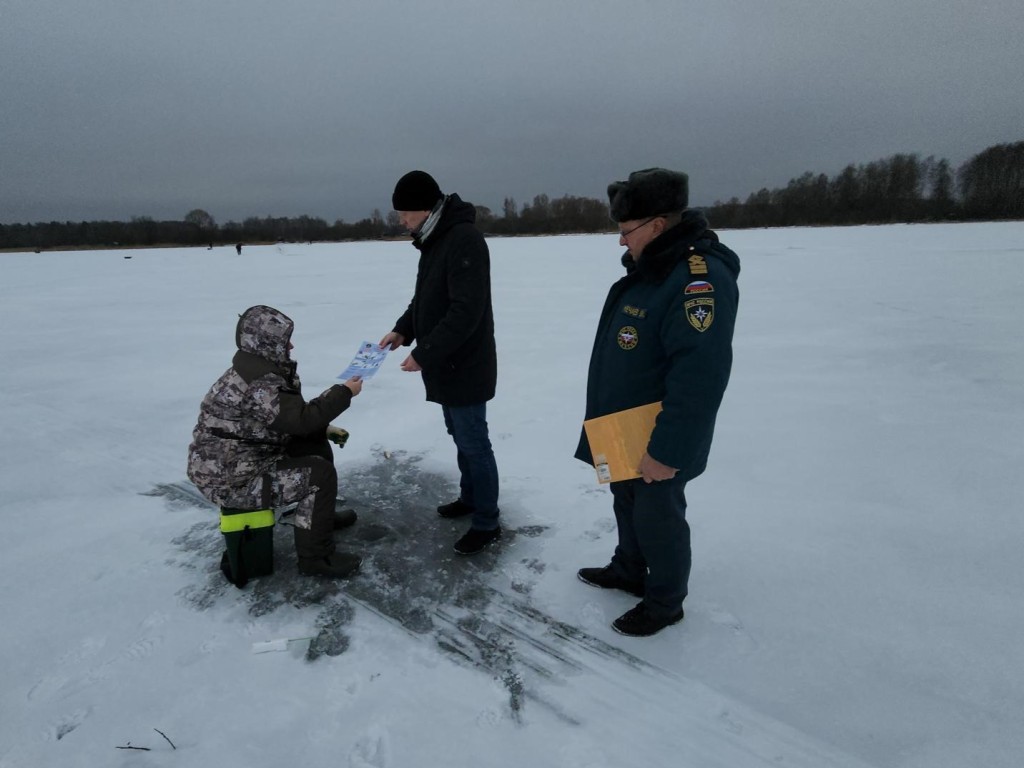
475	540
344	518
607	578
457	508
337	565
638	622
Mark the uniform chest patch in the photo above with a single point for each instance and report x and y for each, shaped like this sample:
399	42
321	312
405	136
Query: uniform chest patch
628	337
634	311
699	286
700	313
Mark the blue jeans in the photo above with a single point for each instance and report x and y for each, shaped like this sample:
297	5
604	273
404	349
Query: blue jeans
654	540
478	485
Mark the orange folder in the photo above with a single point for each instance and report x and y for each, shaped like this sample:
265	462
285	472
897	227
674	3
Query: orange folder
619	440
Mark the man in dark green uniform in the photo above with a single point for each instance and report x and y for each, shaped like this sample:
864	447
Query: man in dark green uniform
665	335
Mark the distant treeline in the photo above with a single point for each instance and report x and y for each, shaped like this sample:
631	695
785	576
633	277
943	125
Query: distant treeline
902	188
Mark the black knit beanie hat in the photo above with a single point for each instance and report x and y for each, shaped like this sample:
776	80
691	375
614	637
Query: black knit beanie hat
649	192
416	191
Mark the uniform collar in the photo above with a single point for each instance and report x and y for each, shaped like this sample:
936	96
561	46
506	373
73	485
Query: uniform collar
663	252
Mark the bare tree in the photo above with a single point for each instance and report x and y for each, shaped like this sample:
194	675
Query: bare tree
200	218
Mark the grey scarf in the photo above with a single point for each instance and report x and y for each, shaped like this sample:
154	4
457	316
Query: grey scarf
432	219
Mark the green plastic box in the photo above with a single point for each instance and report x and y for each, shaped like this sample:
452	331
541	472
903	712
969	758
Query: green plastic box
249	539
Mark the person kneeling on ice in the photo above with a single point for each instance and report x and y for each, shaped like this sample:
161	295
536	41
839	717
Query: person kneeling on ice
258	444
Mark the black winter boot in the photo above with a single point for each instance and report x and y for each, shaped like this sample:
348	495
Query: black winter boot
457	508
639	622
337	565
607	578
476	540
344	518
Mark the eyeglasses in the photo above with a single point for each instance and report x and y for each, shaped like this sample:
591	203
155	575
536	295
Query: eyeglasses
629	232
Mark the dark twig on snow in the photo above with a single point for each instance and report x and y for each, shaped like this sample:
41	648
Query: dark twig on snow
165	737
147	749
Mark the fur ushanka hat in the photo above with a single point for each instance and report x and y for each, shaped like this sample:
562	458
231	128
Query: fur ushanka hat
649	192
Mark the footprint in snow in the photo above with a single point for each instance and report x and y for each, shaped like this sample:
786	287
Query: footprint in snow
156	619
600	527
87	648
66	724
143	648
373	750
46	688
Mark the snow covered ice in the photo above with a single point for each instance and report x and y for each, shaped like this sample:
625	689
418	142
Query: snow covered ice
856	592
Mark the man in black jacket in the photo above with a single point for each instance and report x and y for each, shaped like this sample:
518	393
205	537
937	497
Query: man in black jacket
451	320
665	335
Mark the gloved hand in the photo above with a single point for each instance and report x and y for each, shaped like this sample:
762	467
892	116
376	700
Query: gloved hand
337	435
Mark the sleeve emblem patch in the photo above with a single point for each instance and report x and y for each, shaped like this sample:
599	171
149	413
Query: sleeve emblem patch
697	265
699	286
700	313
628	337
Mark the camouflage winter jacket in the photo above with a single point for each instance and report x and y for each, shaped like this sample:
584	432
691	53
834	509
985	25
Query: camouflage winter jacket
252	411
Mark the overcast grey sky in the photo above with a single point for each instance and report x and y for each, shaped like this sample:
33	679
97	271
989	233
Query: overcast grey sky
111	109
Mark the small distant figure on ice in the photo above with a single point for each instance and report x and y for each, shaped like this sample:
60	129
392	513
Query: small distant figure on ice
258	444
238	248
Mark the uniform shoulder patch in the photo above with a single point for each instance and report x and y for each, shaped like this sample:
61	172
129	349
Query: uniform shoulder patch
697	264
698	287
700	313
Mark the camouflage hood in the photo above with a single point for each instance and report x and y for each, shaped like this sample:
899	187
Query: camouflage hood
265	332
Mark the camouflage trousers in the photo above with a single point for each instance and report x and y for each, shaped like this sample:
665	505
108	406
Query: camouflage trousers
307	475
